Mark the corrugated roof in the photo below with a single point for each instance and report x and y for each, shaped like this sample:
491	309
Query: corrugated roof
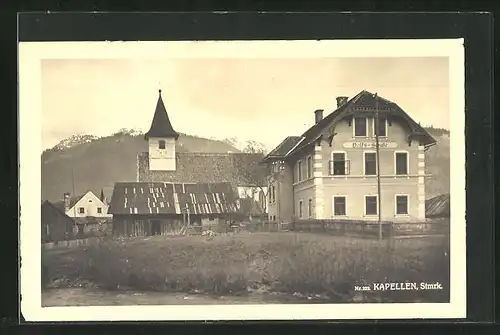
173	198
362	103
239	169
161	126
438	206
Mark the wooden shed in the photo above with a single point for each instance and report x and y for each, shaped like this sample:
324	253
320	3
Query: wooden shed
144	209
56	226
438	206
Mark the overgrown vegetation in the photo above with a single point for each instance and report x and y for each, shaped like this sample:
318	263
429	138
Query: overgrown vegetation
289	263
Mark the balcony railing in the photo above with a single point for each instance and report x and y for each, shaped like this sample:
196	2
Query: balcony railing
339	168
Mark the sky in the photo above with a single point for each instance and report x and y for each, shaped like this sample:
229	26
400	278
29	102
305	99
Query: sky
251	99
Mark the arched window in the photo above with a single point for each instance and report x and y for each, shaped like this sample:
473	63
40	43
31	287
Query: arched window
161	144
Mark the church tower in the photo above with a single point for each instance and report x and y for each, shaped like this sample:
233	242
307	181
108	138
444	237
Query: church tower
162	139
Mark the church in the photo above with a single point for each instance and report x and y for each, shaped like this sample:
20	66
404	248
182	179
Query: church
174	189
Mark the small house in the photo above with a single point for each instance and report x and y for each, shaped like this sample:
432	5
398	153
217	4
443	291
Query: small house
88	211
56	226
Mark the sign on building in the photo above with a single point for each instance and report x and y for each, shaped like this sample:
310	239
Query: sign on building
370	145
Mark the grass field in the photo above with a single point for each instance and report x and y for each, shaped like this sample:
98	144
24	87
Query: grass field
297	264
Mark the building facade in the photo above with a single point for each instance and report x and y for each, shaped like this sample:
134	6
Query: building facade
331	171
87	205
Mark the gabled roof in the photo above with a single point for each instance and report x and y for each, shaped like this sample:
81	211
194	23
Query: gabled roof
438	206
239	169
161	126
286	146
72	202
50	211
364	103
171	198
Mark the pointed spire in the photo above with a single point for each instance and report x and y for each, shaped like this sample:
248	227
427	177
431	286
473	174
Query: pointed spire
161	126
102	195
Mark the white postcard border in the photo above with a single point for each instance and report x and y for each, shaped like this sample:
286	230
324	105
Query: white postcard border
30	101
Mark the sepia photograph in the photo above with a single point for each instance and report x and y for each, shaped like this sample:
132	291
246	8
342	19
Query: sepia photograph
242	180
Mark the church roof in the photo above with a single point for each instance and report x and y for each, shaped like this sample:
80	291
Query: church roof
161	126
239	169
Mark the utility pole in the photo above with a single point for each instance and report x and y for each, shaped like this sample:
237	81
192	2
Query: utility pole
379	200
74	195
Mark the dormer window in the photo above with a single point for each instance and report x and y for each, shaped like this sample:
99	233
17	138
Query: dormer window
360	126
161	144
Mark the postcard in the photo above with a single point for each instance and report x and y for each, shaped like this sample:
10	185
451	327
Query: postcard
242	180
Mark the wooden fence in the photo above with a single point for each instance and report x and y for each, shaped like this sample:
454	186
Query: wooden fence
71	243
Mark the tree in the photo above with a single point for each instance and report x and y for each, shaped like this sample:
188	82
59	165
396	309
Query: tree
254	173
254	147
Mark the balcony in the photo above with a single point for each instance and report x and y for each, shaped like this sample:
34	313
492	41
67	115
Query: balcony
339	168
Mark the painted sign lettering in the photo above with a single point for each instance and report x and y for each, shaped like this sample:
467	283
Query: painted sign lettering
370	145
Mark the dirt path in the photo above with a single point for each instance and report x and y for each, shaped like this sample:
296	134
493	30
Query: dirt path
90	297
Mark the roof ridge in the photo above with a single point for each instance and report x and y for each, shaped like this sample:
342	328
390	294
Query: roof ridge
211	153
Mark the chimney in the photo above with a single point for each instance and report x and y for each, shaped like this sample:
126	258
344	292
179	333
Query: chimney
318	115
341	101
66	202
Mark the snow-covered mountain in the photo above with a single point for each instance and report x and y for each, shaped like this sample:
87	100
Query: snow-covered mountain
74	140
249	146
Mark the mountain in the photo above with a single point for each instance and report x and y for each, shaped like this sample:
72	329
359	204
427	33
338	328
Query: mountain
438	163
249	146
73	141
98	163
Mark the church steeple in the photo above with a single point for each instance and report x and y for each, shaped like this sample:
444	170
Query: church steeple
162	140
161	126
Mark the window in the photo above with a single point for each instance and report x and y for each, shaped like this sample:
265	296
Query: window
382	127
99	210
370	163
300	209
299	167
401	205
277	166
274	193
309	208
81	210
338	165
161	144
309	167
371	205
401	163
339	206
360	126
